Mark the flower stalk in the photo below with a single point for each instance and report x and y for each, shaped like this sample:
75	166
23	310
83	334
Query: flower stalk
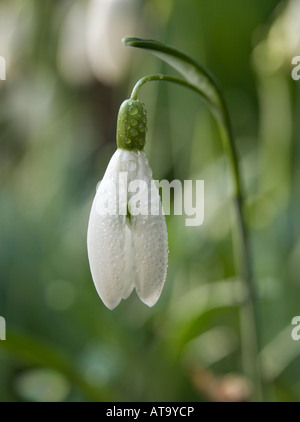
199	79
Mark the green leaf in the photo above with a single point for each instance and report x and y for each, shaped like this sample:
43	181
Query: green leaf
37	353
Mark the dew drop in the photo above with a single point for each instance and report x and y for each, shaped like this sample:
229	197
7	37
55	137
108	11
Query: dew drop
133	110
141	127
131	165
133	132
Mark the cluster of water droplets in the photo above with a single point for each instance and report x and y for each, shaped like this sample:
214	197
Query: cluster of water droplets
132	125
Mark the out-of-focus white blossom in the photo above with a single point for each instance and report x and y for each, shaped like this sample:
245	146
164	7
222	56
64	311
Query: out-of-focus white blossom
72	58
108	21
90	40
282	41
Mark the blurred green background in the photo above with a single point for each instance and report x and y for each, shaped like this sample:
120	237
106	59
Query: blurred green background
66	76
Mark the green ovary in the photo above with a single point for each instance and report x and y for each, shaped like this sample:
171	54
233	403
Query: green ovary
132	125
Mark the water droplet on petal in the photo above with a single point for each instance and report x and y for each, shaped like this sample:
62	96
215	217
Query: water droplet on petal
131	165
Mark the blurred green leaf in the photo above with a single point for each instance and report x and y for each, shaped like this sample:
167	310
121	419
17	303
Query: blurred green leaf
37	353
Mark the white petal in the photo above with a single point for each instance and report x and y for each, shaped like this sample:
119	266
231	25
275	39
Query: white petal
108	236
106	240
150	240
151	256
129	276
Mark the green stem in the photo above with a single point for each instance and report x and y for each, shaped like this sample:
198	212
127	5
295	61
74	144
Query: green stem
160	77
201	80
250	318
249	314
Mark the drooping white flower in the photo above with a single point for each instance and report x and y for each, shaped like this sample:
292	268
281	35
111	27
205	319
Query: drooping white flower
127	233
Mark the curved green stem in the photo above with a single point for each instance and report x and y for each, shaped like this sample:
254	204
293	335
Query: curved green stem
198	78
231	151
160	77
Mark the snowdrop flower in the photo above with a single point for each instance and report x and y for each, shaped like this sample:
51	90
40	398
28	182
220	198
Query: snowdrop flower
282	41
127	234
107	22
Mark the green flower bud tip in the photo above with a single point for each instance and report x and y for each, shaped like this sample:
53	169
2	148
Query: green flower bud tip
132	125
